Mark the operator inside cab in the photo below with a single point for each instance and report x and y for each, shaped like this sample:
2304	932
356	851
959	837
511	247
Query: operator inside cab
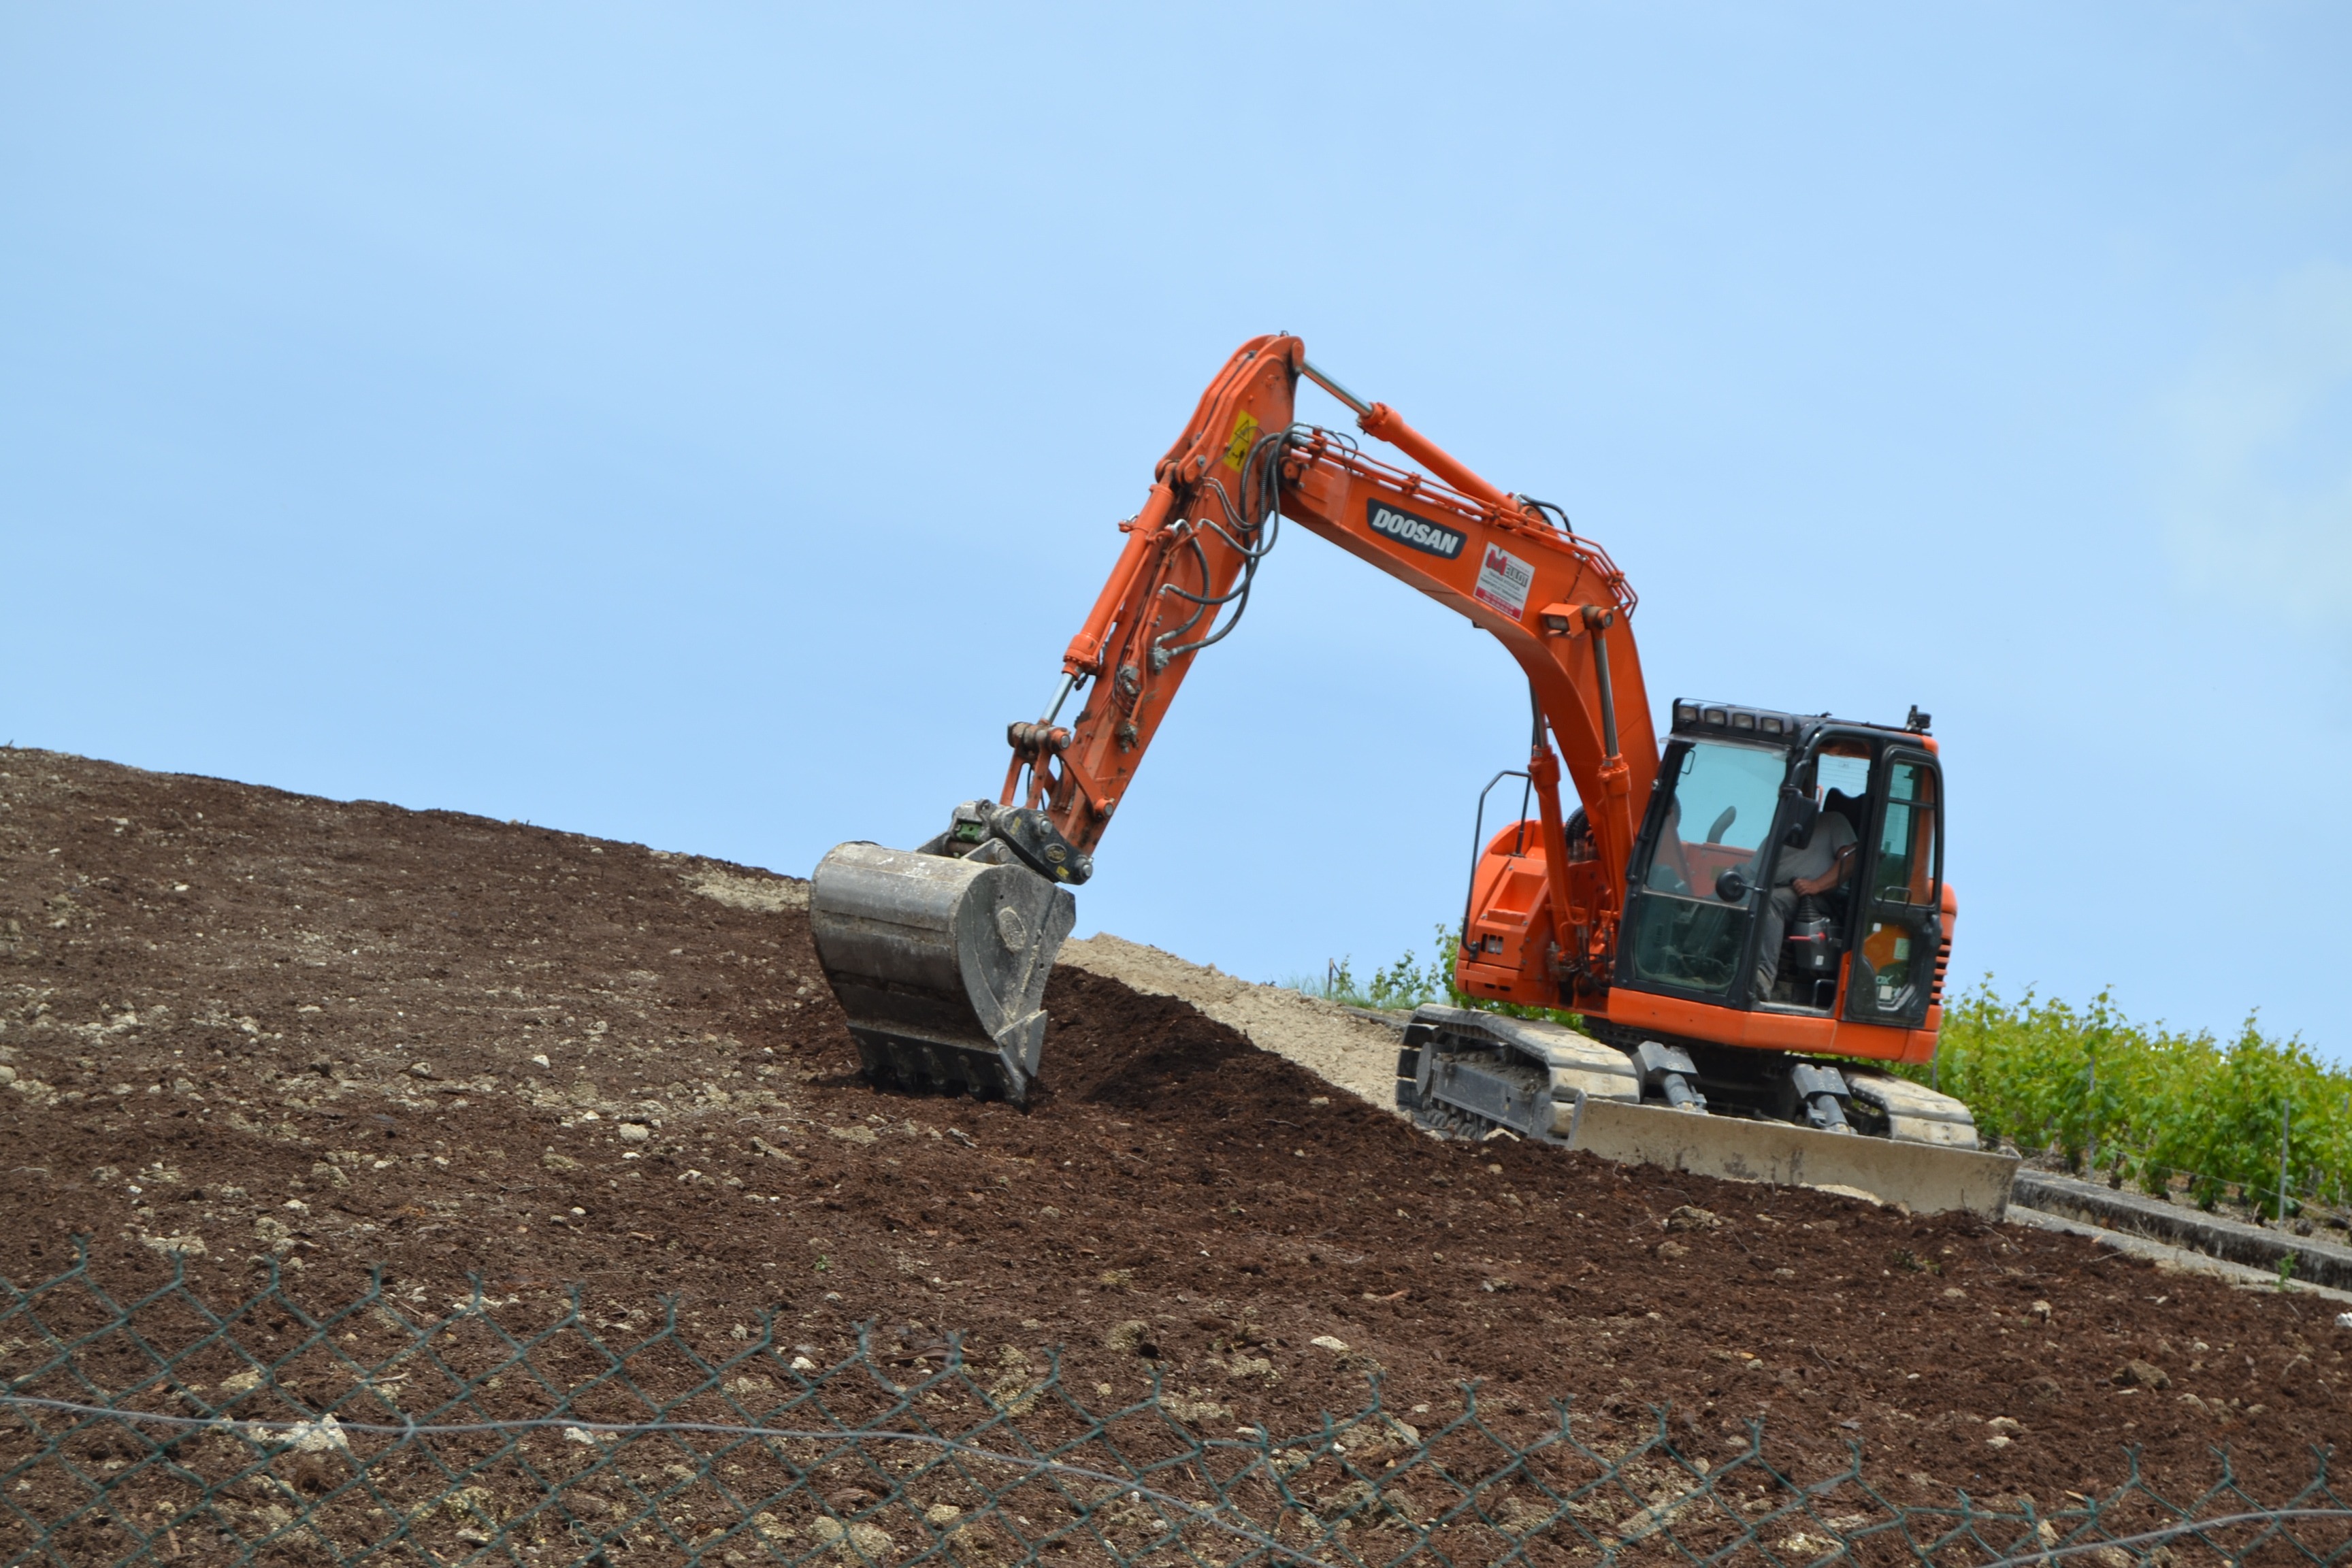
1825	859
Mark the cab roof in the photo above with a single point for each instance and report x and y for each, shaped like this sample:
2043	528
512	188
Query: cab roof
1696	717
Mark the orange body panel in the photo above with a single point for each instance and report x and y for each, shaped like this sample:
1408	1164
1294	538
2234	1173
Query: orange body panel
1771	1031
1675	1016
1511	927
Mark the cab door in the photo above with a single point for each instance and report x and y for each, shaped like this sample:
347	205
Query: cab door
1900	921
1693	895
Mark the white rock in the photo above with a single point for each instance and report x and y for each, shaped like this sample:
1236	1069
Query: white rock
2344	1320
860	1540
1326	1341
634	1133
318	1437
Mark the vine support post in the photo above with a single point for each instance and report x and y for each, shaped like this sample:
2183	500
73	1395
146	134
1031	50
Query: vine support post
2091	1138
2287	1126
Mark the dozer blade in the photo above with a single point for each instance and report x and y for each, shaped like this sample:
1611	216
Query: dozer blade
1926	1178
940	964
1469	1074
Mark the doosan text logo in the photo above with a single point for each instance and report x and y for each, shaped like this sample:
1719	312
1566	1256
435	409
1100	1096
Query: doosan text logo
1419	533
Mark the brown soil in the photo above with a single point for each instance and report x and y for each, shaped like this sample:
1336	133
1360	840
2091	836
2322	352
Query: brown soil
274	1025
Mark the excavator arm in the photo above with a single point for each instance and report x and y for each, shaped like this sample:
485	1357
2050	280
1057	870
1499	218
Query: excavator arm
940	955
1556	602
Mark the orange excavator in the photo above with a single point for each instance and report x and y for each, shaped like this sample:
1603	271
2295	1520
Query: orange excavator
1745	918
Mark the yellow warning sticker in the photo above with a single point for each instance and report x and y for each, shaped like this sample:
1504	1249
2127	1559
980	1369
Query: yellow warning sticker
1244	435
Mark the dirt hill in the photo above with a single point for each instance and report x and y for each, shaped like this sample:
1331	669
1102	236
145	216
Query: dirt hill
242	1024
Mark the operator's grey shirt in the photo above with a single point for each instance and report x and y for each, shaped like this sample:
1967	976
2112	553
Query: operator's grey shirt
1831	832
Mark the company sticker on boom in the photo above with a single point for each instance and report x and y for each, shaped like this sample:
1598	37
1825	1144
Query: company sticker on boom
1419	533
1503	582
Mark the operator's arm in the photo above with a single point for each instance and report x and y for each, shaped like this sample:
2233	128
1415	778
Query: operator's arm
1840	868
1833	827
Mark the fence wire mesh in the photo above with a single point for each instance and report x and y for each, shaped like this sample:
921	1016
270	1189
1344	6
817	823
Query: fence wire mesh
161	1428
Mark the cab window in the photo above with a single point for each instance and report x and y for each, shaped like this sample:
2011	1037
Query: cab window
1685	933
1722	807
1842	766
1906	838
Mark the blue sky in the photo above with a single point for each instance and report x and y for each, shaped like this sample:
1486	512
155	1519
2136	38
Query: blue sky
705	425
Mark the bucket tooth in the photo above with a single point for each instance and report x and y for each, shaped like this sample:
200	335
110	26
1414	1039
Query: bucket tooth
940	964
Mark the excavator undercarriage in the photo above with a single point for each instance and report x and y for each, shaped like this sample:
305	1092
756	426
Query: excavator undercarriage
1469	1074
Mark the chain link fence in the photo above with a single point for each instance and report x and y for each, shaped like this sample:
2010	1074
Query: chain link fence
398	1429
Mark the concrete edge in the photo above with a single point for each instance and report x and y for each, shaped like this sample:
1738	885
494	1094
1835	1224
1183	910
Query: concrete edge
2176	1260
2319	1263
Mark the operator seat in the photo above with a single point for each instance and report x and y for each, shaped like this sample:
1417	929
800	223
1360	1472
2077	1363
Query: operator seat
1838	900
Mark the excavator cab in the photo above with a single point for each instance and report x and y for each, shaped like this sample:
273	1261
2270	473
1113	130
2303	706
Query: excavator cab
1753	806
1784	915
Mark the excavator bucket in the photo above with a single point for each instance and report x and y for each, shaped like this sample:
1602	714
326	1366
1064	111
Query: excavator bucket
941	959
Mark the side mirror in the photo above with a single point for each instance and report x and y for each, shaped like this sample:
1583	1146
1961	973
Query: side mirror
1731	886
